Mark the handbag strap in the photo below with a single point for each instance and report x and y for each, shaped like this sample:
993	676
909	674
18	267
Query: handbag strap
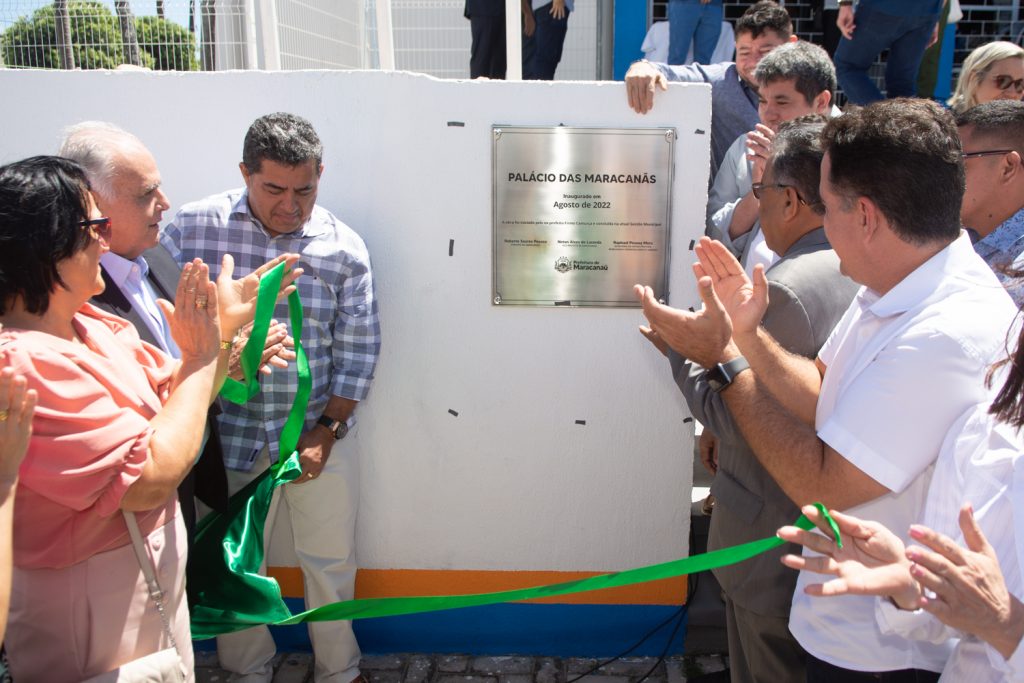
149	572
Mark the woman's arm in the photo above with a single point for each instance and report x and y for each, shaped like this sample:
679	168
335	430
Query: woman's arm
17	404
178	428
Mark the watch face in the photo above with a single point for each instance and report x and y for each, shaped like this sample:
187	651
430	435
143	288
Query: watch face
716	379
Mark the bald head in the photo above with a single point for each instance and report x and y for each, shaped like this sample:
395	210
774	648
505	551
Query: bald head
125	182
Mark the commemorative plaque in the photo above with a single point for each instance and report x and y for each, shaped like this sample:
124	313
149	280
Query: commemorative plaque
580	215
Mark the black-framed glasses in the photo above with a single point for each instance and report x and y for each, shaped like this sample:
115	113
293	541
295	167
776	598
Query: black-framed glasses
758	188
98	228
1004	82
986	153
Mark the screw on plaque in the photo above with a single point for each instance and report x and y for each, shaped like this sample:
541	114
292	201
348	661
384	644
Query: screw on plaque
497	299
497	133
670	135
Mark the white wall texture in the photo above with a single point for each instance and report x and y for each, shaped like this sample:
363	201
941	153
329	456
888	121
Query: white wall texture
512	483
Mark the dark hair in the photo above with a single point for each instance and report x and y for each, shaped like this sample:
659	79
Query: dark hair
903	155
796	157
763	16
282	138
42	201
999	120
1008	405
806	64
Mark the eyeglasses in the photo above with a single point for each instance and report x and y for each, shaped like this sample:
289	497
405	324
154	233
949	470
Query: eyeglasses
987	153
98	228
758	188
1004	82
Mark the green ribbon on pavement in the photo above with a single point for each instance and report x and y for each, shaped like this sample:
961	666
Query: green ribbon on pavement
227	592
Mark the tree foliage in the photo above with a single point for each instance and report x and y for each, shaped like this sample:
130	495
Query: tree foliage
31	41
170	45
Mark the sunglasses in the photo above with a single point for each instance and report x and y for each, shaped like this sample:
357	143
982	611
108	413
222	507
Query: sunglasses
98	228
1004	82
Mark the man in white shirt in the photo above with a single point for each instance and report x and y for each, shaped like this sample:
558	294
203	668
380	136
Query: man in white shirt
860	427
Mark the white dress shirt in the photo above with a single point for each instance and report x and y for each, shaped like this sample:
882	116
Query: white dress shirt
901	368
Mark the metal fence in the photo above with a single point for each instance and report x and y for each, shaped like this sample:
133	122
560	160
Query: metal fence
429	36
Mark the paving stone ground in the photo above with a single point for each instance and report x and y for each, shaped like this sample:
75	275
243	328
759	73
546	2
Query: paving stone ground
445	668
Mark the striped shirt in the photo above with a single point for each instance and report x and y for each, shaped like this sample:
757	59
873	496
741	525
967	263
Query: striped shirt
341	331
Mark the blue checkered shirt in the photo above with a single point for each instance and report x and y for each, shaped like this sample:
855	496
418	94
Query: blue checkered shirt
341	332
1002	249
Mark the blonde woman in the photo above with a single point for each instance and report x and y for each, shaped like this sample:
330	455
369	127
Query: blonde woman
994	71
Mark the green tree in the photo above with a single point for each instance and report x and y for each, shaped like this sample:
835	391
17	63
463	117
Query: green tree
96	40
170	46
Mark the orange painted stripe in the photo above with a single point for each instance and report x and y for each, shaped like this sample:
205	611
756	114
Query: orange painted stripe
389	583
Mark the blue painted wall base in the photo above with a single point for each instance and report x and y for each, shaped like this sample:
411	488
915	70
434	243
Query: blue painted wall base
551	630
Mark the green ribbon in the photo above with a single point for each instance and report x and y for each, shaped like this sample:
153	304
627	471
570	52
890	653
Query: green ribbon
226	591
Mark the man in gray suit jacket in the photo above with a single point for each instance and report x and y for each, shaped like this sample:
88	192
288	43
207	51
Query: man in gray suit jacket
807	296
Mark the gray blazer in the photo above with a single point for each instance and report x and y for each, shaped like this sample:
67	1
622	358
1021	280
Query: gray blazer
807	296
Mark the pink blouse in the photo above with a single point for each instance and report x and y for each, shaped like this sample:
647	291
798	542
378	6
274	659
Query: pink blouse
90	436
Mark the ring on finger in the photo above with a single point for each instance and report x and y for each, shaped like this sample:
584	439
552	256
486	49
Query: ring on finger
3	415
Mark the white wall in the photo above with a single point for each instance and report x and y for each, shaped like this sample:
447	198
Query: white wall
512	482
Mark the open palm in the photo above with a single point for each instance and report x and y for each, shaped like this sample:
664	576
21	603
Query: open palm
744	300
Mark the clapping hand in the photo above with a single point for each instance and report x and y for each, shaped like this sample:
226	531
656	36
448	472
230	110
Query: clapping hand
238	297
17	405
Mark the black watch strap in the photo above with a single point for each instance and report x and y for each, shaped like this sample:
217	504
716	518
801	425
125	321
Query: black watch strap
339	428
722	375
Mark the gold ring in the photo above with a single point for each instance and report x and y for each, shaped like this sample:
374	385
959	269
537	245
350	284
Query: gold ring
201	303
3	416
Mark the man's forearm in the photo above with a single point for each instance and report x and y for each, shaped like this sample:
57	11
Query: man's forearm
744	215
794	381
800	463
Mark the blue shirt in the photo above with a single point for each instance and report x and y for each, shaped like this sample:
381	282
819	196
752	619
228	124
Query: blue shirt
1001	249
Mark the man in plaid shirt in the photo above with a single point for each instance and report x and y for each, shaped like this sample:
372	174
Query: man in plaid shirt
276	213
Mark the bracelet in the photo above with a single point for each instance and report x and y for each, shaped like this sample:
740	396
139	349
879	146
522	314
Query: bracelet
225	345
846	3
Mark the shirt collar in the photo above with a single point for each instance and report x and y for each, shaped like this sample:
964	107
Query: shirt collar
311	228
119	268
956	262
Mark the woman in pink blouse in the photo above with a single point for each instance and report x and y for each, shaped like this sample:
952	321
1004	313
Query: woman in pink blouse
117	426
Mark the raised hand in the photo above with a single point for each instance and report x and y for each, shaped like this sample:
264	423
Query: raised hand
759	147
743	300
238	297
871	561
970	592
17	405
702	336
194	318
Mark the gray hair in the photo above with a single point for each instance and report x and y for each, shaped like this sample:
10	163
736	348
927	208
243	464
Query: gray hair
805	63
94	145
282	138
796	158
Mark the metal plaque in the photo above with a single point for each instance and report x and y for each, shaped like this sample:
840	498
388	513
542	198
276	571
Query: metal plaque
580	215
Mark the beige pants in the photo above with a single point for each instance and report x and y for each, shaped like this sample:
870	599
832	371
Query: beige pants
323	515
80	621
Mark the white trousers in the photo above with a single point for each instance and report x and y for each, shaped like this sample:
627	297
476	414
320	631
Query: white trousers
323	515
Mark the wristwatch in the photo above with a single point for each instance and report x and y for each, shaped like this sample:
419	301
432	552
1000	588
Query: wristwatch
722	375
339	428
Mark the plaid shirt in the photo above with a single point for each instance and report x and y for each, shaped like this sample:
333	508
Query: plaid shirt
1001	249
341	334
